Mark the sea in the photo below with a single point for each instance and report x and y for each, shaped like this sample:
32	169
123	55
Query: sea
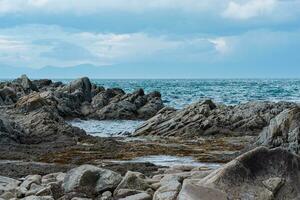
179	93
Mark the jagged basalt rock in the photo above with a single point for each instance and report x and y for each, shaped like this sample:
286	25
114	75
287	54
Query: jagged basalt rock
206	118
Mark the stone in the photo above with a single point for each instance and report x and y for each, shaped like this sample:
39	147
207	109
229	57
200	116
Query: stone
195	192
8	184
246	177
283	131
134	181
26	83
30	179
31	102
170	187
82	85
122	193
90	180
32	197
140	196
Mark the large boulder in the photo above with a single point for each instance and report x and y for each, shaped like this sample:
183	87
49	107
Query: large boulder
133	181
8	185
259	174
46	125
82	85
90	180
104	97
8	95
26	84
283	131
31	102
206	118
10	132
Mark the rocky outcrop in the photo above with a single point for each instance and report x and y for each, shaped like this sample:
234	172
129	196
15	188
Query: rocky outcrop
283	131
207	118
46	125
82	85
26	84
258	174
79	99
115	104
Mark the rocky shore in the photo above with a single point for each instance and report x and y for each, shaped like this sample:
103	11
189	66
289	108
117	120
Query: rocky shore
259	174
44	157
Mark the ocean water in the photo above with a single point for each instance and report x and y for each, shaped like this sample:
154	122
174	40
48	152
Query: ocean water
179	93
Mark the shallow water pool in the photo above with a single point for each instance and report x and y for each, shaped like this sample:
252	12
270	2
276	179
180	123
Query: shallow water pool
107	128
168	161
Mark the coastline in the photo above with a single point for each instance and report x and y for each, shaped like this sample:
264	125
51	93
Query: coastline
34	130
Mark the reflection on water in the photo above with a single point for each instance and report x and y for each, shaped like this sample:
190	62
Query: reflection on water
107	128
167	161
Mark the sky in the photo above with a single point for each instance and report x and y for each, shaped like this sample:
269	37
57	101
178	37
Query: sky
153	38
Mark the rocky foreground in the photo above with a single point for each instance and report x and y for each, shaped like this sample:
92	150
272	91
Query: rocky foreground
45	157
260	174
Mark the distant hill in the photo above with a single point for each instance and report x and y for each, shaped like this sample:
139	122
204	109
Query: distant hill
92	71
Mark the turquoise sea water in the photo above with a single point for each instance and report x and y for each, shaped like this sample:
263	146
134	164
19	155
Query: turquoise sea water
179	93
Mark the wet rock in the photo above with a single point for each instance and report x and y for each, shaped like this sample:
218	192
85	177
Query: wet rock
283	131
90	180
206	119
248	176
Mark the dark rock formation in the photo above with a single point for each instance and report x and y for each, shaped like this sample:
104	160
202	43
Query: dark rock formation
206	118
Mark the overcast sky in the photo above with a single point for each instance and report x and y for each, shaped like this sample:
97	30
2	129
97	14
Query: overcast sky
230	38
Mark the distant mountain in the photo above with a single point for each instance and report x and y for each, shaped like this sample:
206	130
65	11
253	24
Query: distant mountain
92	71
